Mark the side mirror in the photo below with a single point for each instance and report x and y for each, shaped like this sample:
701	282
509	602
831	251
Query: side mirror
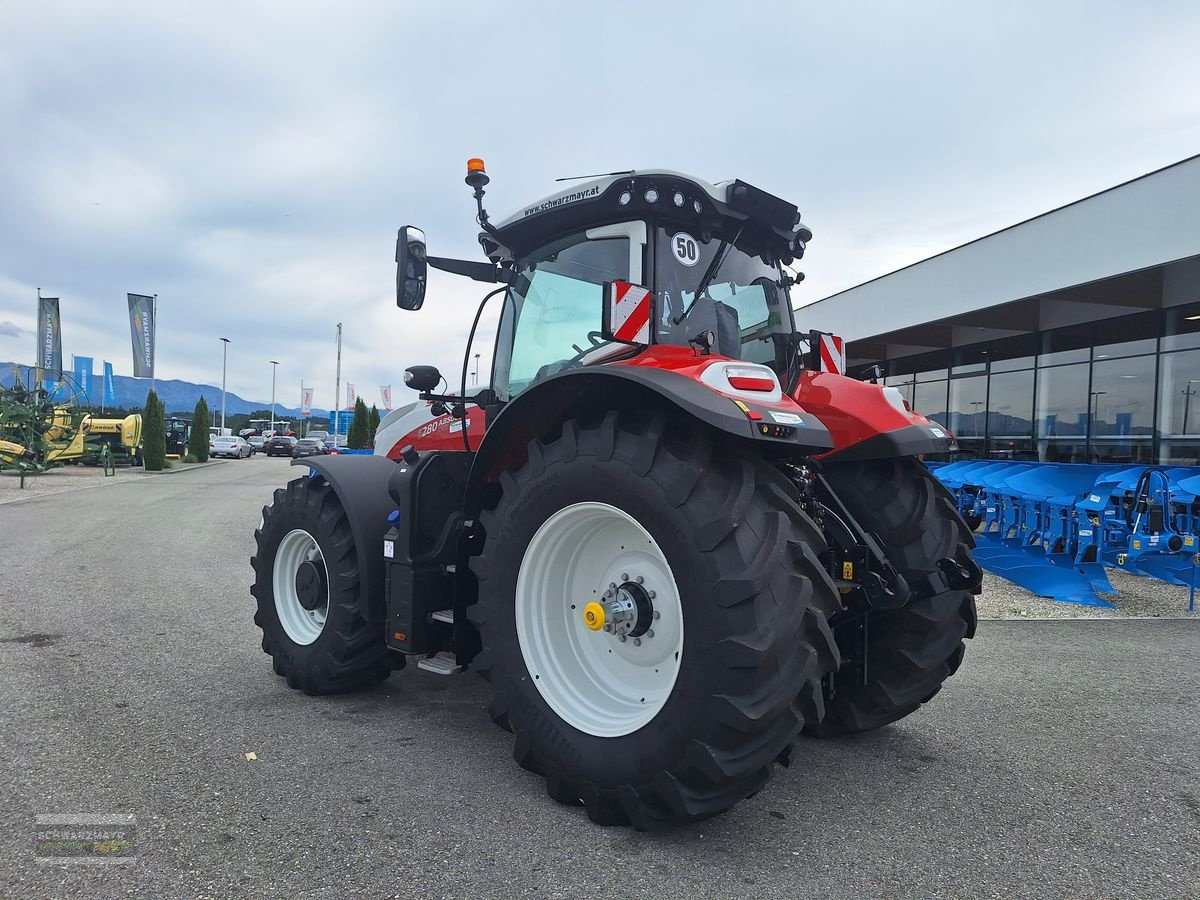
422	378
411	267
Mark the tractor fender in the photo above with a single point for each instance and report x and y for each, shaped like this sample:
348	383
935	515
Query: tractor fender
361	485
538	410
868	421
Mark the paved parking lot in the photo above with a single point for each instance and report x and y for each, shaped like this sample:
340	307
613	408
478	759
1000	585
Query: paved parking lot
1064	759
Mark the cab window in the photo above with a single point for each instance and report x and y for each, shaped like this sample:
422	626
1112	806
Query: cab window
553	314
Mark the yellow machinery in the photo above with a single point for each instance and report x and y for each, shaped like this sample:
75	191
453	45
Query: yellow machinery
123	437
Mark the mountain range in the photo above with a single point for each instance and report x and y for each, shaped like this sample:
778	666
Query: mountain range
177	396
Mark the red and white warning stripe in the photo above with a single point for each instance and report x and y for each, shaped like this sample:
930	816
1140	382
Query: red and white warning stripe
629	312
833	354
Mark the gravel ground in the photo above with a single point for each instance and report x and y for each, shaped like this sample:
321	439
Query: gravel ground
68	478
1136	596
74	478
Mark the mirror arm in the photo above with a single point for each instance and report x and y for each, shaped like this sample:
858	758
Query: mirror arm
476	271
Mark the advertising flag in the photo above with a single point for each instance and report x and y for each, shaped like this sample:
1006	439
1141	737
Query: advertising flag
385	391
110	386
351	396
83	377
141	329
49	337
306	395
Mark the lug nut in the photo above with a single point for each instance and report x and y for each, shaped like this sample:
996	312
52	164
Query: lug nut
652	595
621	638
649	632
612	585
624	576
637	642
639	579
608	628
656	612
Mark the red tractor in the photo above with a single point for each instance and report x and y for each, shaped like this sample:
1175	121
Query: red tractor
670	543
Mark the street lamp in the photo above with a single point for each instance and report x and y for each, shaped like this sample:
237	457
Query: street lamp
274	363
224	354
477	368
1187	401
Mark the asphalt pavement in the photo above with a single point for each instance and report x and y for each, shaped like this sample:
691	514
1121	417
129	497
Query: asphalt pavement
1063	759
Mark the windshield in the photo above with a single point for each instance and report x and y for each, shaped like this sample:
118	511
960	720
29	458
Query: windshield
743	305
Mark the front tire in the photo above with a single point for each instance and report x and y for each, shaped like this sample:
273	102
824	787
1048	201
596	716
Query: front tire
322	634
911	651
690	721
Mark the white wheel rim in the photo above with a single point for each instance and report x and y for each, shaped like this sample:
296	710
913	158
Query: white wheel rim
301	625
592	680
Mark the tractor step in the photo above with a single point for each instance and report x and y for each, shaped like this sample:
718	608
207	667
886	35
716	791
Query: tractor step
443	663
443	615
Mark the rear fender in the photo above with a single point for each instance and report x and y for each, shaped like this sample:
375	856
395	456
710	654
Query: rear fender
867	421
361	485
539	411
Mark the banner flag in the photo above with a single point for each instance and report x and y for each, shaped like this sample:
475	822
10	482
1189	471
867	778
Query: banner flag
110	386
351	396
49	337
306	395
83	377
385	391
141	330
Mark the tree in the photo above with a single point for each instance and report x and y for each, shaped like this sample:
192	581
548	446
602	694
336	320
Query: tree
374	426
358	436
154	434
198	439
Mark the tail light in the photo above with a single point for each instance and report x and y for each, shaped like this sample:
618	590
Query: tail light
748	380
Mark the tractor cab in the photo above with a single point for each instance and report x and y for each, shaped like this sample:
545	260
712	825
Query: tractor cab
609	266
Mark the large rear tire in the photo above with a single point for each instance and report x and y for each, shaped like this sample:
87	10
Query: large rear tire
911	651
322	634
687	722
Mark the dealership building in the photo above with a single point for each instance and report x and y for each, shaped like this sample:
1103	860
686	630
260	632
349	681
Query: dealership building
1071	337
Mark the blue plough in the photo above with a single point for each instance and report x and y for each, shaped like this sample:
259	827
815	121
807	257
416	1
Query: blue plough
1054	528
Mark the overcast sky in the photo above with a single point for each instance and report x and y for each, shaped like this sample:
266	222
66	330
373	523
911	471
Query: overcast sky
249	162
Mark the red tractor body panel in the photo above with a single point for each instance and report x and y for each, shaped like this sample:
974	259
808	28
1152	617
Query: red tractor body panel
857	411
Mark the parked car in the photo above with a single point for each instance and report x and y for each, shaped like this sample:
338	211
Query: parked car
280	445
232	446
257	442
330	446
308	447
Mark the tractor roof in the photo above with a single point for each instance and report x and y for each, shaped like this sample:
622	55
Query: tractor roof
660	193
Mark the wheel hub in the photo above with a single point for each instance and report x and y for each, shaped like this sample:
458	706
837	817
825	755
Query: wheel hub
626	610
311	589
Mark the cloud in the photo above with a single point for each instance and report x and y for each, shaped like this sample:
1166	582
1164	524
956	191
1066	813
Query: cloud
251	168
8	329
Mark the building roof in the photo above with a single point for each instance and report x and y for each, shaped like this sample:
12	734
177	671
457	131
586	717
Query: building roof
1145	222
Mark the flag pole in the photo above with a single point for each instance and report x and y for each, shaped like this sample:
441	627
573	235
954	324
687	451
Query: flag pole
337	389
153	336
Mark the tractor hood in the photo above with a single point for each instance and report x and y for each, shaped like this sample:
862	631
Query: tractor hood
660	193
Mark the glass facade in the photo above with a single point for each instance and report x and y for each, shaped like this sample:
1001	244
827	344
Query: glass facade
1124	389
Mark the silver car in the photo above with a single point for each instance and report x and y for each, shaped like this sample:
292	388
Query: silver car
233	447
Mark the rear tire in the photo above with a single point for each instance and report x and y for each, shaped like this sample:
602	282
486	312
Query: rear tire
339	644
723	533
911	651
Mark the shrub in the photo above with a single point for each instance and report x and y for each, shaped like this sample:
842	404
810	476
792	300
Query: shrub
359	435
198	439
373	426
154	434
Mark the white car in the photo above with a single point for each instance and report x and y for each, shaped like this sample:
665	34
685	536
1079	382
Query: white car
233	447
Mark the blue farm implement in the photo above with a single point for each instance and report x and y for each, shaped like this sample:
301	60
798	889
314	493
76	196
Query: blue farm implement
1054	528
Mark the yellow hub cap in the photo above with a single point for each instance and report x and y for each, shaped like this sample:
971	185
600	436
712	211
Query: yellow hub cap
593	616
